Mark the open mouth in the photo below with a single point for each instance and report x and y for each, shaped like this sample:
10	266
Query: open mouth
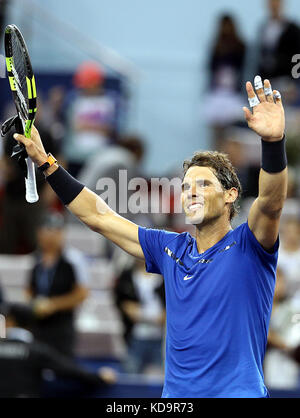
195	206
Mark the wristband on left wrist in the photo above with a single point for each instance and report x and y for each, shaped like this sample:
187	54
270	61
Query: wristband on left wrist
274	158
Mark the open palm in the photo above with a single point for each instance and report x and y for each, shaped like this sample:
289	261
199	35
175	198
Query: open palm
267	119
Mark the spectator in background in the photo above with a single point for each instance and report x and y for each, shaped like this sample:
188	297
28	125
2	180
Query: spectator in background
278	42
23	359
53	114
20	219
1	294
90	118
289	253
56	286
126	155
3	8
282	365
140	299
226	67
235	146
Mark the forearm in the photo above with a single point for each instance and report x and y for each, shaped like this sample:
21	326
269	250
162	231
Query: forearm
66	367
70	301
94	212
91	210
276	341
86	206
273	177
272	191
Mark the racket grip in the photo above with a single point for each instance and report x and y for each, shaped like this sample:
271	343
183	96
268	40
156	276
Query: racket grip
30	182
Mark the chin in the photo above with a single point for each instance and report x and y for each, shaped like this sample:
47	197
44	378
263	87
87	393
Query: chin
195	218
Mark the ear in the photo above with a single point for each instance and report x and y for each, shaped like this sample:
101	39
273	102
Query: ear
231	195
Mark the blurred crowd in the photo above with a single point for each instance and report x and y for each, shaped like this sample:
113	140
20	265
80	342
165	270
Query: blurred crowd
82	128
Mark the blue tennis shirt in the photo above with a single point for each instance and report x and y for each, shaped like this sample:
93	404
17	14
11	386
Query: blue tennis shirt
218	310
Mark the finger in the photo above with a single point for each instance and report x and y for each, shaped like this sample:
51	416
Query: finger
248	114
253	100
22	139
259	87
268	91
277	96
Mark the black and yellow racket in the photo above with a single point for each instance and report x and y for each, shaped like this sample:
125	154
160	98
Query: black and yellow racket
22	84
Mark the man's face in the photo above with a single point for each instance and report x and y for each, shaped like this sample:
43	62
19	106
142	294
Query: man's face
203	198
275	8
50	239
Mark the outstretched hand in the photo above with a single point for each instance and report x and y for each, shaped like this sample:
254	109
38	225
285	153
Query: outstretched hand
267	119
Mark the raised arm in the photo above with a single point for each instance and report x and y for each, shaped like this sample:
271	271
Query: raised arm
268	121
86	205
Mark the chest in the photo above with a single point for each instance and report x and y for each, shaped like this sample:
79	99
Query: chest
224	275
55	281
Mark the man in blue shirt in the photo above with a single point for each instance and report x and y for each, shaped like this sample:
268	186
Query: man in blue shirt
219	285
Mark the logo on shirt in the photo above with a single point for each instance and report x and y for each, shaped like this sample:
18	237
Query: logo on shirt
227	247
187	277
173	256
202	261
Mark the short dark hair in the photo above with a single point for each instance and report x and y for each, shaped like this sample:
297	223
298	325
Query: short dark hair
223	170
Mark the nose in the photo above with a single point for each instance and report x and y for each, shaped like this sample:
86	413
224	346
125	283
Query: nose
197	189
194	191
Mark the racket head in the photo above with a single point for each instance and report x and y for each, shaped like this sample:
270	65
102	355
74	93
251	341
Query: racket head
21	77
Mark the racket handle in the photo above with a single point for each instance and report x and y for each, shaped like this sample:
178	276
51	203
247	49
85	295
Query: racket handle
30	182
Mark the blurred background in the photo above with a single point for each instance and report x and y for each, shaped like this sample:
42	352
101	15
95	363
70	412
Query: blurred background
139	86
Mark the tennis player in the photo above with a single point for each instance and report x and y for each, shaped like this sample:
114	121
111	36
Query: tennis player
219	285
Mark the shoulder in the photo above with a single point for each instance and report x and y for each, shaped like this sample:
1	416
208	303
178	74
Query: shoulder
240	228
292	26
291	29
77	262
72	255
163	236
248	242
156	243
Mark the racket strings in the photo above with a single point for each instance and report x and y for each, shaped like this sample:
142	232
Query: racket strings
20	76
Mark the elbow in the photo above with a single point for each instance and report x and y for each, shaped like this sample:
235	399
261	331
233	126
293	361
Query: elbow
92	222
272	209
97	222
84	293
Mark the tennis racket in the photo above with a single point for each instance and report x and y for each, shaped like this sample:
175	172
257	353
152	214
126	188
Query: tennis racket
22	85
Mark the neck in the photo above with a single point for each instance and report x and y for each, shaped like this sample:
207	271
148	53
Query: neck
208	235
277	17
49	258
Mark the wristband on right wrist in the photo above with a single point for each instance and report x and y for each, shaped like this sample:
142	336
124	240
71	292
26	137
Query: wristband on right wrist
50	161
64	185
274	159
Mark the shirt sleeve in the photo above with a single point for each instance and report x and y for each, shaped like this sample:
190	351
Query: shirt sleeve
251	245
153	243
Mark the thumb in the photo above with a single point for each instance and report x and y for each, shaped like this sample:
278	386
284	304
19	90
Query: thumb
22	139
248	114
